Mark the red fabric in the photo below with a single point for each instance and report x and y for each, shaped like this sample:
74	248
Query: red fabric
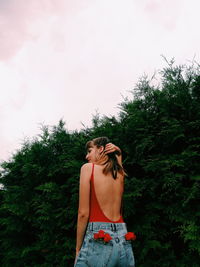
96	214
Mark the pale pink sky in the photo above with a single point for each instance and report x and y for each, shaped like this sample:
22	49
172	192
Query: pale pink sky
67	59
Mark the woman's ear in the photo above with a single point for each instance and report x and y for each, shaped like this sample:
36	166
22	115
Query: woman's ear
101	149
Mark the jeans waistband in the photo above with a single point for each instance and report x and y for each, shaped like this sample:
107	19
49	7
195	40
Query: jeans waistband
114	227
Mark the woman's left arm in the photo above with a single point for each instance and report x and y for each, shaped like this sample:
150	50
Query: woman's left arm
113	148
84	204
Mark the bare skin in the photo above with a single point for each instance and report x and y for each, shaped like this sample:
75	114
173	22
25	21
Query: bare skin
108	191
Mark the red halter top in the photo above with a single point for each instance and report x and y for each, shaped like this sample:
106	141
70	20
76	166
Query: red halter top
96	213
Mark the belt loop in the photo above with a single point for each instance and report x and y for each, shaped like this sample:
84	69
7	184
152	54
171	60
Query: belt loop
115	228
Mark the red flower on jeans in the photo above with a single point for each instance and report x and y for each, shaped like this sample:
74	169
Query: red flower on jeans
96	236
107	238
99	235
130	236
103	236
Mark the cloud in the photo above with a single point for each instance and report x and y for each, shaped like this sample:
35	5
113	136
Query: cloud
162	13
18	18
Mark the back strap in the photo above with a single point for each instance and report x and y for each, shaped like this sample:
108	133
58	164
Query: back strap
92	174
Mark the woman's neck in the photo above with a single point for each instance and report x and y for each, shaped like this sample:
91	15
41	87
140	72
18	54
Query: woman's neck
102	160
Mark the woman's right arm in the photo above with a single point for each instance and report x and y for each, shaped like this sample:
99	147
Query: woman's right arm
84	202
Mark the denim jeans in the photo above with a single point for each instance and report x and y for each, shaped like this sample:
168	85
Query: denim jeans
97	253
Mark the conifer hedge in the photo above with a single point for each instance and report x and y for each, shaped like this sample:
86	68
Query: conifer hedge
158	130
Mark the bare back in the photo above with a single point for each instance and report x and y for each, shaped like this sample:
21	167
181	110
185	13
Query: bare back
109	192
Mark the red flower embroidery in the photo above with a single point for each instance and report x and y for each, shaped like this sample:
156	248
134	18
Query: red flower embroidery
130	236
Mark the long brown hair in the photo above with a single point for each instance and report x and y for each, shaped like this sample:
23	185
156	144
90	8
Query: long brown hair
111	165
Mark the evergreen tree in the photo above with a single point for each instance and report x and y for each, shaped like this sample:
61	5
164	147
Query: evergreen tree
158	132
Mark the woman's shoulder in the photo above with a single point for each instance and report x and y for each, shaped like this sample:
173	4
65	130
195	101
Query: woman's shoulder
87	167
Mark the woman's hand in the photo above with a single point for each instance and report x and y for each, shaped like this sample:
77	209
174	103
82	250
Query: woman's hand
112	148
77	252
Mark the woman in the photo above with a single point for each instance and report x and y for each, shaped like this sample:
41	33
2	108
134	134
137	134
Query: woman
102	238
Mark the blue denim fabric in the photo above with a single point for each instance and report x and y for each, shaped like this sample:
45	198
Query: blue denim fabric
96	253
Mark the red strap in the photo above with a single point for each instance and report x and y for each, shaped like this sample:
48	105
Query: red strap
92	175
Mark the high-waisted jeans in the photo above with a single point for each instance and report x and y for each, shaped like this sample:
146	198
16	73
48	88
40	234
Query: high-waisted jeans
96	253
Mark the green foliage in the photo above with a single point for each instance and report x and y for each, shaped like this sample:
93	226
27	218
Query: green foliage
158	132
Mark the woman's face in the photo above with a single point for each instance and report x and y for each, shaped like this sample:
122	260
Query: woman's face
93	154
